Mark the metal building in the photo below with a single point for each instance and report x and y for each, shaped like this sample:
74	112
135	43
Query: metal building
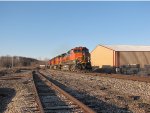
117	55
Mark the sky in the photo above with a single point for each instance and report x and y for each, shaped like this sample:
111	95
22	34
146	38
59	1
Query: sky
47	29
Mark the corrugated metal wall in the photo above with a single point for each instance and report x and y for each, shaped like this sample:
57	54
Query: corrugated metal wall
141	58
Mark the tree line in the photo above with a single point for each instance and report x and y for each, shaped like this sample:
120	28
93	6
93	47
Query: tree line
17	61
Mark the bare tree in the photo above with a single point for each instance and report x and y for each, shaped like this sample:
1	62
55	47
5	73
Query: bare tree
6	61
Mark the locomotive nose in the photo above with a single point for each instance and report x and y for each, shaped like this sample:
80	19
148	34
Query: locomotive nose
86	57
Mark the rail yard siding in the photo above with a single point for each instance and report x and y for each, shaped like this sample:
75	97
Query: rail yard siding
141	89
102	56
141	58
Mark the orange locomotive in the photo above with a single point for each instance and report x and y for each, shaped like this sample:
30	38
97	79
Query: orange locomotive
76	58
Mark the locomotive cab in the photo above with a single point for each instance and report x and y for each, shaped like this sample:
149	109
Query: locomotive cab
82	57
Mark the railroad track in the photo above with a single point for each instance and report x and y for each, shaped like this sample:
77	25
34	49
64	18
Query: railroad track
52	99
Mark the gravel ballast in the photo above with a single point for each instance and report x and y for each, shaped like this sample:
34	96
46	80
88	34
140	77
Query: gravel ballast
123	94
19	94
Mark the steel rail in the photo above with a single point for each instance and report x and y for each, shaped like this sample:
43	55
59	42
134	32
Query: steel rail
37	97
85	108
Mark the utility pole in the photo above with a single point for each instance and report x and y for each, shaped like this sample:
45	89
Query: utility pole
12	65
45	64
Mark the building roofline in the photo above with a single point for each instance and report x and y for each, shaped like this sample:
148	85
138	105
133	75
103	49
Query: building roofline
94	48
102	46
106	47
126	48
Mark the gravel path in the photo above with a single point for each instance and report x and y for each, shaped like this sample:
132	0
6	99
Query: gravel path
110	95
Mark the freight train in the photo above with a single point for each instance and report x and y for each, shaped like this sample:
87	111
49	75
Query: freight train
77	58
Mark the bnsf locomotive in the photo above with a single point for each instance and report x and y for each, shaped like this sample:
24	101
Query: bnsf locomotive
77	58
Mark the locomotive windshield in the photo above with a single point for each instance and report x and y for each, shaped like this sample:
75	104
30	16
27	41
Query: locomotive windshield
77	51
84	50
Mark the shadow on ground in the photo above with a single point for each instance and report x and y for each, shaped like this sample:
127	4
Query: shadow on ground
6	95
98	105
